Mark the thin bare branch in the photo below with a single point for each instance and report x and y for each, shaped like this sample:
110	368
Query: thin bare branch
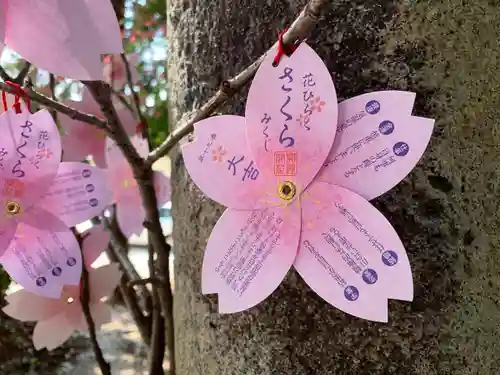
144	177
52	85
85	303
23	73
4	75
298	31
157	342
57	106
148	280
137	102
124	101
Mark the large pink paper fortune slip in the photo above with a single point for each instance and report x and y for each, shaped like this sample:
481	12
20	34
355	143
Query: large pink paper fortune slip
67	38
296	174
41	199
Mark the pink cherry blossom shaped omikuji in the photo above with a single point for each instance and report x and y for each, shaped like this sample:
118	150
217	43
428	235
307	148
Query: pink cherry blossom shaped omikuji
130	212
279	213
58	318
65	38
80	139
41	199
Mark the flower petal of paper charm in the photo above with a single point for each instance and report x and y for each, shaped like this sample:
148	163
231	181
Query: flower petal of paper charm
347	251
248	255
79	192
378	140
57	319
129	210
94	241
62	47
350	254
44	254
80	139
41	198
250	252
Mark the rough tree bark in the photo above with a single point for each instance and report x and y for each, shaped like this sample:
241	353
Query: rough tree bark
446	211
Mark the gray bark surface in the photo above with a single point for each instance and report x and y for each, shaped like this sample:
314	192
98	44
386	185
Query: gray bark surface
446	211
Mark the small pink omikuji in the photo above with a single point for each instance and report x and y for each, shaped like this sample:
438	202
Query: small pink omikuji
296	174
65	38
130	212
57	319
115	71
41	198
81	140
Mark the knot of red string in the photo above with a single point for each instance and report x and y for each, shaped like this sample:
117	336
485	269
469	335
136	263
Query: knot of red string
283	49
20	93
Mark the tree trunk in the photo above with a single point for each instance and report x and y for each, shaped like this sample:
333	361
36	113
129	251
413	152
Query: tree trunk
445	211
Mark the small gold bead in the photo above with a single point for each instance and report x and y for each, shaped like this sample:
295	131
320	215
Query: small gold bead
12	208
287	190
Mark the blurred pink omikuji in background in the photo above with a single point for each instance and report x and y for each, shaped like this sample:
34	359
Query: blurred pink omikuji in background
130	213
65	38
80	139
115	72
57	319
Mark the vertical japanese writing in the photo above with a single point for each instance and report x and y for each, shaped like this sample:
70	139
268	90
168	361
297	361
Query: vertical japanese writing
42	151
17	169
312	103
265	120
209	144
284	139
3	154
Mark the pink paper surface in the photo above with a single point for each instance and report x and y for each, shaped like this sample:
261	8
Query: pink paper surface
248	255
2	26
377	141
44	254
80	139
220	153
291	116
104	17
30	151
94	241
58	318
115	71
129	210
350	254
63	47
79	192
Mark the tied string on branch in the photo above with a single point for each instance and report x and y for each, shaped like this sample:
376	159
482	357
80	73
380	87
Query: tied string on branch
284	49
20	93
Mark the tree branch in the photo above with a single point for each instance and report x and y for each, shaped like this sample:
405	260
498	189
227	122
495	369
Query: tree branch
298	31
52	84
55	105
135	96
85	303
4	75
23	73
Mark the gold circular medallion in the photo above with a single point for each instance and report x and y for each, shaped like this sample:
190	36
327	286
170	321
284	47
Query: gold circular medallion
287	190
12	208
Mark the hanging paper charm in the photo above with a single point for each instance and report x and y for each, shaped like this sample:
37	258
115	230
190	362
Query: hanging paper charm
296	183
41	199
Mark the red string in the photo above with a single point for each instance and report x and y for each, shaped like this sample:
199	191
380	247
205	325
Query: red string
20	93
283	49
140	127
